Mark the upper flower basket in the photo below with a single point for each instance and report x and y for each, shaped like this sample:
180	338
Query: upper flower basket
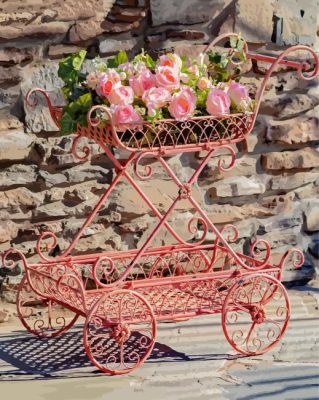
174	104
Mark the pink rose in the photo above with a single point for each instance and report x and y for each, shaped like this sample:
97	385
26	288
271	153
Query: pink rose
92	80
156	97
183	104
218	102
193	69
142	82
171	60
124	117
167	77
203	83
107	82
237	93
127	67
122	95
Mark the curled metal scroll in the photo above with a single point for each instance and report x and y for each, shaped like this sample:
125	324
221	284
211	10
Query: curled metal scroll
294	257
147	169
48	246
76	147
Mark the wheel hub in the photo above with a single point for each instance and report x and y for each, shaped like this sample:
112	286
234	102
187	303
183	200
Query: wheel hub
121	333
258	314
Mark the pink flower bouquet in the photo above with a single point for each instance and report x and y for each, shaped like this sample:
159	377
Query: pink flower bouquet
171	88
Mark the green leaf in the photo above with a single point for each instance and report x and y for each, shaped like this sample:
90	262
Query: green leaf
202	98
233	42
82	103
240	44
67	124
69	67
112	62
150	63
77	59
121	57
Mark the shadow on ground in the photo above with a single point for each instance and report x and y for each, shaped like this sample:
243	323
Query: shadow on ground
47	358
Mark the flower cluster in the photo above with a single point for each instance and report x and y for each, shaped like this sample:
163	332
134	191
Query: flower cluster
173	87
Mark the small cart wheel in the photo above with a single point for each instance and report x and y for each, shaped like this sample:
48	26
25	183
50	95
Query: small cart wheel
255	314
40	316
119	331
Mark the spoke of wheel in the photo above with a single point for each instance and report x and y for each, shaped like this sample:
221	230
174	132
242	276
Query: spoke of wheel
270	320
120	311
250	331
141	330
263	298
121	355
242	308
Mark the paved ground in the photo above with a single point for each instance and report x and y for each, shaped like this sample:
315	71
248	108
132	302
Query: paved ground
191	360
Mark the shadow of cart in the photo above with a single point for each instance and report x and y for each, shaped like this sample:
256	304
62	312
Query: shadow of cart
25	357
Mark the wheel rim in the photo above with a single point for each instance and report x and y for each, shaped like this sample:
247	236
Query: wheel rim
119	332
255	314
41	323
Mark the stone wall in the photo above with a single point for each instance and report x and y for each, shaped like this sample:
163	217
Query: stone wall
273	189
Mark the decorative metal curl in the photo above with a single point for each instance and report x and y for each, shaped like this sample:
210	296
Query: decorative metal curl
194	229
68	283
107	271
48	246
303	70
10	263
148	170
295	257
33	102
255	251
85	149
97	119
222	164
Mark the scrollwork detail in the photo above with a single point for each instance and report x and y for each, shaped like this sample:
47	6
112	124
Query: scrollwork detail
147	169
84	149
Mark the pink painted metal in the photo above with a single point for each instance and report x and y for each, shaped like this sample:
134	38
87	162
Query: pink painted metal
135	288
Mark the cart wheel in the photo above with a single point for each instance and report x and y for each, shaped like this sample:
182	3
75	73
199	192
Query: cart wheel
255	314
119	331
41	316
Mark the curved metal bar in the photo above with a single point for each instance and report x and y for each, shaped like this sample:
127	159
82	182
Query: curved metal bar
33	102
85	149
293	256
148	170
301	68
49	246
9	263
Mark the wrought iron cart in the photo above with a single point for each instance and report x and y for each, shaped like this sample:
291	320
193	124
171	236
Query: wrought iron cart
136	289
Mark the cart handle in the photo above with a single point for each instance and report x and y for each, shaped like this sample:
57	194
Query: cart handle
32	102
260	57
304	69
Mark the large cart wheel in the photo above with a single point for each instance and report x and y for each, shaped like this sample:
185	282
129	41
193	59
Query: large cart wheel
119	331
255	314
40	316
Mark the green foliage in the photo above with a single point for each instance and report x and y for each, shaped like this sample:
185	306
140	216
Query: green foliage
145	58
220	64
202	98
115	61
75	113
79	99
70	66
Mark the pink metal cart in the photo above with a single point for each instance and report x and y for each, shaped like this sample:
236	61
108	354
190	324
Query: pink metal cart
137	288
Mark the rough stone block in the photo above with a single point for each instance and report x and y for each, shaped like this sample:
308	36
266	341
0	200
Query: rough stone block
286	160
239	186
311	212
185	12
15	145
